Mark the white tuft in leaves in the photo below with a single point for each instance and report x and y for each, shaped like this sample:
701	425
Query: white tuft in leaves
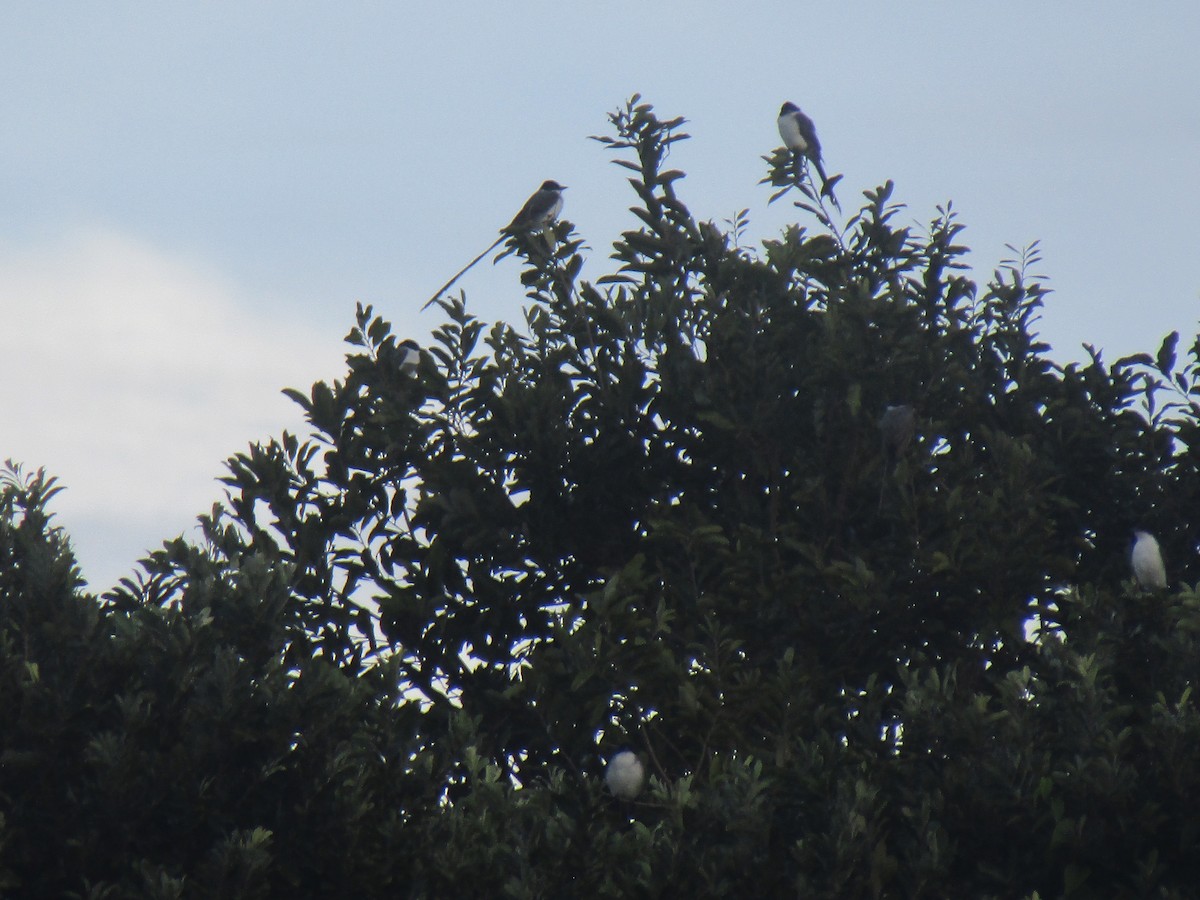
1147	561
625	775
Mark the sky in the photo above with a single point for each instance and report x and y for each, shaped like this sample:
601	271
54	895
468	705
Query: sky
194	197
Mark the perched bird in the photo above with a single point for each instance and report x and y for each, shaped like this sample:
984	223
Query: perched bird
625	775
800	136
539	211
897	426
1146	559
410	354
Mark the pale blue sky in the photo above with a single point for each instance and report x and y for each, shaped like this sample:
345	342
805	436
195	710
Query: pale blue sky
195	197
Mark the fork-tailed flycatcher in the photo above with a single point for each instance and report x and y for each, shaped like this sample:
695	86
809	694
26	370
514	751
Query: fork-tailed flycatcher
800	136
897	426
410	354
625	775
1147	562
539	210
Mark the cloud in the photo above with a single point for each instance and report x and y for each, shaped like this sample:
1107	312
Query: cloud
131	373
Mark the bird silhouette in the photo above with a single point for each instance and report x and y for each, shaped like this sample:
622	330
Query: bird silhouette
539	210
800	136
1146	559
625	775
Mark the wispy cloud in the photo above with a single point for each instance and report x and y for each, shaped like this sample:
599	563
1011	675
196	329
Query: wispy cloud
131	374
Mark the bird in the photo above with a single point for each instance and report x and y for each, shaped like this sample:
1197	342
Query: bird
539	210
800	136
1146	559
410	354
897	426
625	775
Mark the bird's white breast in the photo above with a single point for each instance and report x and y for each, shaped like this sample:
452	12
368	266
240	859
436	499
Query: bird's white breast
553	210
793	137
1147	562
625	775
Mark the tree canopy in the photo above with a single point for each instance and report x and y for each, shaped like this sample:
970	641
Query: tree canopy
659	515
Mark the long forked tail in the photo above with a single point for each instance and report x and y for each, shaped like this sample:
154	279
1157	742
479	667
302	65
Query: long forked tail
826	187
461	272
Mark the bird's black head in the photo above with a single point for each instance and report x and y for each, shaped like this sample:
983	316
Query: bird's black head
553	186
788	108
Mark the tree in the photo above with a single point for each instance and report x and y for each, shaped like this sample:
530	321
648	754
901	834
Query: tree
661	515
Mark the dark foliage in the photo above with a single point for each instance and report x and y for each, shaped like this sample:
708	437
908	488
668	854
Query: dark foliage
661	515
